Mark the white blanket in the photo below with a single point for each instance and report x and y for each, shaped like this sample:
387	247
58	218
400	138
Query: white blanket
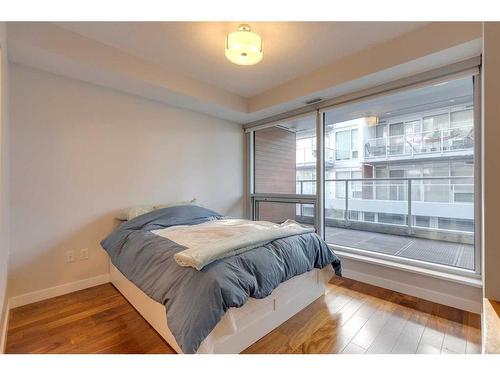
219	239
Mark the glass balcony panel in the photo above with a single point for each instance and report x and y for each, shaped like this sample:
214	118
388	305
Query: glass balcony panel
376	148
397	145
306	187
431	142
440	228
459	139
436	192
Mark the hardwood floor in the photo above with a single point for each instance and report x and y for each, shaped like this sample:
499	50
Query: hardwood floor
351	318
94	320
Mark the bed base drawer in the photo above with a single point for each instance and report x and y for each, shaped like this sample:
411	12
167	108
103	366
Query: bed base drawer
240	327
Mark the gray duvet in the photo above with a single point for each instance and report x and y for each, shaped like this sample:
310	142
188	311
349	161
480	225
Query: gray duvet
196	301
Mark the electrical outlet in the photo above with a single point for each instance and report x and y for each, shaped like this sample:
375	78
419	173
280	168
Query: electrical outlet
70	256
84	254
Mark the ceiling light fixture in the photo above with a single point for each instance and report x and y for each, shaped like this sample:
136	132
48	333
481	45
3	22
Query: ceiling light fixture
244	47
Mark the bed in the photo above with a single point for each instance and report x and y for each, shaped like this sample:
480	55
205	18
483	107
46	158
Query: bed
227	302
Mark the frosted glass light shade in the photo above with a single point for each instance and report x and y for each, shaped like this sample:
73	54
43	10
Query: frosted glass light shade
244	47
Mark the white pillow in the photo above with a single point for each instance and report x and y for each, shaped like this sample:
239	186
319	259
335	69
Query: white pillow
182	203
130	213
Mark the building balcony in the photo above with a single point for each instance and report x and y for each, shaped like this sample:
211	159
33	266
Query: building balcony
454	141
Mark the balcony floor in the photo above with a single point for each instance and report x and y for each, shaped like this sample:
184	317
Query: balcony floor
434	251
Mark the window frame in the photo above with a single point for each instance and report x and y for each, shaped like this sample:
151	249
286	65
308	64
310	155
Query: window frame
469	67
477	271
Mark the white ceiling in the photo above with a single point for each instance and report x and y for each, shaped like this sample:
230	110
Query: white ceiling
196	49
183	64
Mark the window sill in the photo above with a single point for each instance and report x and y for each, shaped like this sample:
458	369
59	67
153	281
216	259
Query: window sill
470	280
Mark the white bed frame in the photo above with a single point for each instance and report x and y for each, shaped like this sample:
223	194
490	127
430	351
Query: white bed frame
240	327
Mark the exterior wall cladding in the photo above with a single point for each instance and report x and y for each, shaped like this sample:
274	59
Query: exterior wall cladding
418	146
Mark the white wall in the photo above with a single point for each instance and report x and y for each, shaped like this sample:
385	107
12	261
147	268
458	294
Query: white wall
4	191
79	153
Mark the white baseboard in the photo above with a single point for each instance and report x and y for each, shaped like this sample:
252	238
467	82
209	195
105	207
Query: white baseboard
414	290
58	290
5	325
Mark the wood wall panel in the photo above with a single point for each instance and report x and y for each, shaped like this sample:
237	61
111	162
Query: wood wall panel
275	170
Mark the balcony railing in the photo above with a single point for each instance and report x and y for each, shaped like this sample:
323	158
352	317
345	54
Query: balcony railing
408	201
457	189
433	141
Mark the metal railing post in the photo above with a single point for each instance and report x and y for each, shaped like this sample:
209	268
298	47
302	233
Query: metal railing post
346	209
301	192
410	223
442	141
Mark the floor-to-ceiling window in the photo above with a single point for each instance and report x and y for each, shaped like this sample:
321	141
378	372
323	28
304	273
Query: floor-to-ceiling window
398	172
403	185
